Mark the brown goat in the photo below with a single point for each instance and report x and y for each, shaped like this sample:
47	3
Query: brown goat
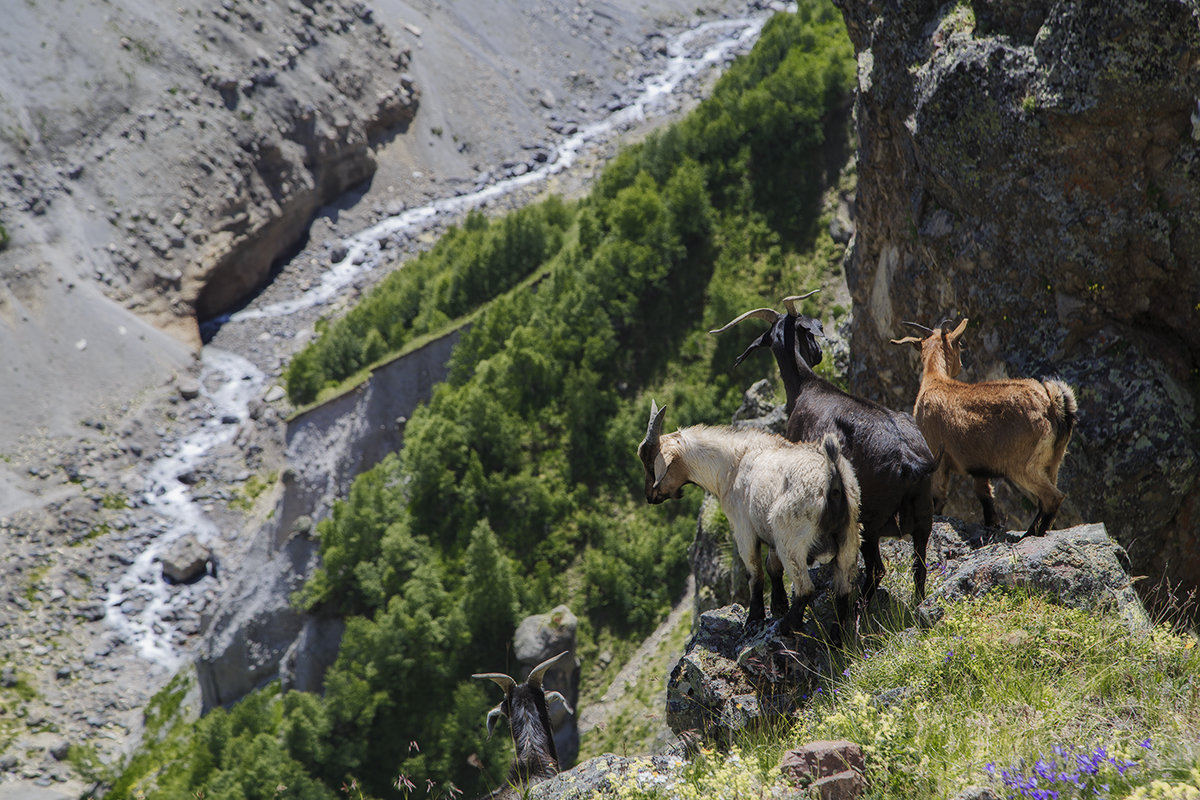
1016	429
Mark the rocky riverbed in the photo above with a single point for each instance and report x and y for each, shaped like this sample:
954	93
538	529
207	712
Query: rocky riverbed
92	514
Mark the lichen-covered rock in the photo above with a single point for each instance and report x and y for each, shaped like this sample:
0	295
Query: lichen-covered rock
1080	567
731	679
1036	168
604	775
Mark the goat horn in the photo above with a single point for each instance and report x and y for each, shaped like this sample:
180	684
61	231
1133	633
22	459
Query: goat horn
500	679
654	429
790	302
768	315
918	326
536	674
491	719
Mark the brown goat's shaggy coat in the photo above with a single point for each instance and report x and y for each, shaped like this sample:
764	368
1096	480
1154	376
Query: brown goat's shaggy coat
1016	429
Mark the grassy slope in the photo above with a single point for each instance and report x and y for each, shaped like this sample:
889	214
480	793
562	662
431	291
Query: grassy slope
1010	691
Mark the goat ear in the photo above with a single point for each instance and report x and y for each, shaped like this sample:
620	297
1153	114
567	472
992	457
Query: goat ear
957	332
762	341
552	696
913	340
492	716
659	474
813	326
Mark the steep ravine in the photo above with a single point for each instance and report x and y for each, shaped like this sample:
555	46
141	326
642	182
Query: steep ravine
327	446
86	529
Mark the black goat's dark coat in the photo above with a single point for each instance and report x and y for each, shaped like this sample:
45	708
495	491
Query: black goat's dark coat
529	719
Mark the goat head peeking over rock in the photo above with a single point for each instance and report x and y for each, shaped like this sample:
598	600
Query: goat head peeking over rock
889	455
1016	429
527	707
799	498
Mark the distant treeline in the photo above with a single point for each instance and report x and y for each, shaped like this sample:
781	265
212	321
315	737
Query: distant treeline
517	488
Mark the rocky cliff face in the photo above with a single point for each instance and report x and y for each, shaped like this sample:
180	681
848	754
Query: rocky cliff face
1036	168
203	144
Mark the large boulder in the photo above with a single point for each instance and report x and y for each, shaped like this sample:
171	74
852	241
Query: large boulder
1081	567
1035	167
731	679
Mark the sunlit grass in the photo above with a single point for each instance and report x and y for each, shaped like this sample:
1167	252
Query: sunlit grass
1009	691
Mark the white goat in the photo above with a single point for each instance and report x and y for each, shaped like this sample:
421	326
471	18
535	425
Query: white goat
801	499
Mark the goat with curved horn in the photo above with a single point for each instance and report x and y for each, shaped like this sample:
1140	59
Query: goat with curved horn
801	500
893	463
1015	428
526	706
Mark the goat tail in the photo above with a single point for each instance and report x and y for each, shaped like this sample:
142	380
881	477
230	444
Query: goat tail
842	494
1064	409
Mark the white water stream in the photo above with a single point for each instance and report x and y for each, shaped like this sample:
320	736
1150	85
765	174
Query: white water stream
141	602
141	605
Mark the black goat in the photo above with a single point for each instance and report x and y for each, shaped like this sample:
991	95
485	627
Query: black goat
527	707
890	457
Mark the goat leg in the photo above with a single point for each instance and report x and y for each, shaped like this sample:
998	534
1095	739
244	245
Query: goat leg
919	514
779	598
873	570
1036	527
793	620
983	491
842	604
757	612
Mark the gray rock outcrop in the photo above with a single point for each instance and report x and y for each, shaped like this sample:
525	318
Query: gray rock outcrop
1080	567
1036	168
605	775
730	679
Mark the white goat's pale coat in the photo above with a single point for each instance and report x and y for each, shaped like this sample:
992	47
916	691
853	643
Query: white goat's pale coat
801	499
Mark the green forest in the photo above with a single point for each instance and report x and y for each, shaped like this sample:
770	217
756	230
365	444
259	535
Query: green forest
517	488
